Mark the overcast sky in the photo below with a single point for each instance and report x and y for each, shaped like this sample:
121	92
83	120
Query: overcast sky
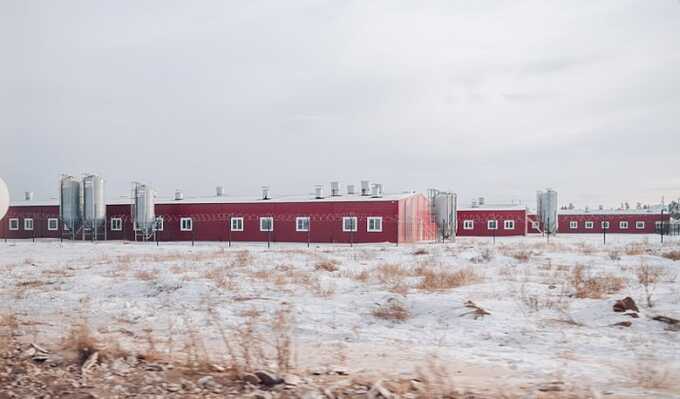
486	98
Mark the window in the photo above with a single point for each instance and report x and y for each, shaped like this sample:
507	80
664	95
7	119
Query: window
116	224
468	224
657	225
605	225
573	224
52	224
186	224
374	224
492	224
639	225
28	224
509	225
267	223
14	224
302	223
236	224
160	223
589	224
623	225
349	223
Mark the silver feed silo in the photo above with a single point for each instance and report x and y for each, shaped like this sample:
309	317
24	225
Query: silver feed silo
144	212
546	209
94	208
443	206
70	202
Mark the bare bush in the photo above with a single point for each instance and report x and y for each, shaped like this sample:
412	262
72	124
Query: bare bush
327	265
80	344
594	286
420	251
391	274
672	255
392	309
648	276
434	280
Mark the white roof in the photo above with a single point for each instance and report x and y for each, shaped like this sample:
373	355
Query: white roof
649	211
492	207
237	200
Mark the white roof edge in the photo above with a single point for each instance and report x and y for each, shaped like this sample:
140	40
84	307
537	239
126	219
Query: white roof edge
239	200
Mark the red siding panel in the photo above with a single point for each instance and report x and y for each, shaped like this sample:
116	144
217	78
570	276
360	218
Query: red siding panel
480	220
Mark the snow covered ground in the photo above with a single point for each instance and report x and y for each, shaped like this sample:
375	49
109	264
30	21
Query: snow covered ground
550	304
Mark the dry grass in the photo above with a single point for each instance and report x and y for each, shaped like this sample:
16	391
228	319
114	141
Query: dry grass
392	309
147	275
435	280
391	274
327	265
648	276
81	343
672	255
221	277
521	255
594	286
420	251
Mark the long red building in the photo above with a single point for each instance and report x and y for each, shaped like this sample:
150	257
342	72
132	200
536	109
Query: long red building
340	219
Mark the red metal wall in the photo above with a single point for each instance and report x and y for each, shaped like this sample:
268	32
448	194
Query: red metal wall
482	216
613	219
531	218
39	214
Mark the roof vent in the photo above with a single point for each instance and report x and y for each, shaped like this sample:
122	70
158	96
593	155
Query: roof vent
219	191
318	191
28	195
335	189
265	193
365	189
376	190
179	195
350	189
480	201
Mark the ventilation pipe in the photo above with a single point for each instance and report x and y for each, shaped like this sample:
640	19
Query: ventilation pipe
365	187
28	195
179	195
335	189
265	193
318	191
219	191
350	189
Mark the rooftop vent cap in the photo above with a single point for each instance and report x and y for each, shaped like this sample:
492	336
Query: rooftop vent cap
179	195
28	195
365	187
219	191
376	190
265	193
318	191
335	189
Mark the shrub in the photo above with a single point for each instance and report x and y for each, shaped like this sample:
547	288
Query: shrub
672	255
594	287
392	309
420	251
327	265
442	280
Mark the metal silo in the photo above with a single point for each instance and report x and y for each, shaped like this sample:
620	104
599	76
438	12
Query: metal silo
445	213
69	202
94	208
144	212
546	207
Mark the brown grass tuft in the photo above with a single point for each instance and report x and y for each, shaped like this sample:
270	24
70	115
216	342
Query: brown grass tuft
672	255
393	309
420	251
327	265
594	287
443	280
147	275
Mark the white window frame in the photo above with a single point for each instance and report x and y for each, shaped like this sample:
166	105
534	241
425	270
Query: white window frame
355	223
468	224
237	220
573	224
377	219
160	223
495	224
49	224
116	224
28	221
14	224
182	226
508	225
589	224
623	225
658	224
302	219
267	218
604	224
640	225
